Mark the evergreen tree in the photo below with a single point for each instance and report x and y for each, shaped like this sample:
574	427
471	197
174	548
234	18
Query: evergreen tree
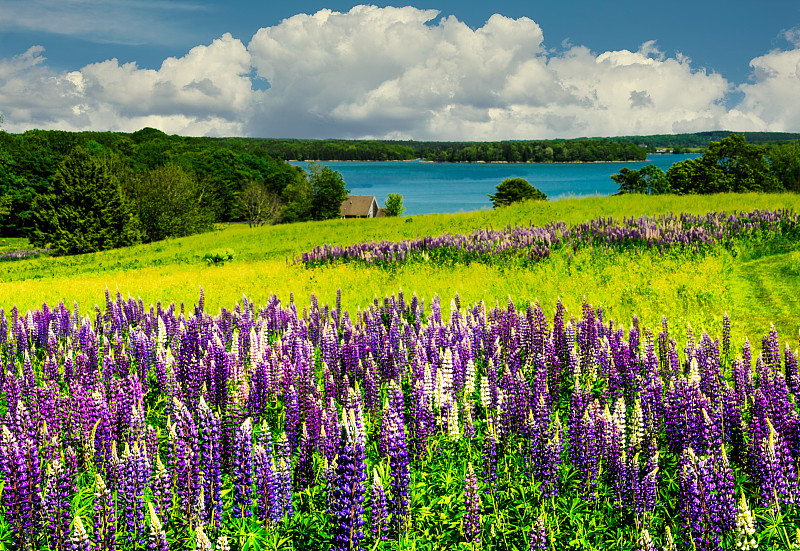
85	211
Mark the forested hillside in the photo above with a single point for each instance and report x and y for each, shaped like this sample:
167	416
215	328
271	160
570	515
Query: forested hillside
210	173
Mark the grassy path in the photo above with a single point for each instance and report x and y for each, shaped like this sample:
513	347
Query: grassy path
767	290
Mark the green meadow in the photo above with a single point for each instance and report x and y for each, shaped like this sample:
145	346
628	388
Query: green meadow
755	282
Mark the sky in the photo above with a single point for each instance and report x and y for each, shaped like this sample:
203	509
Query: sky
451	70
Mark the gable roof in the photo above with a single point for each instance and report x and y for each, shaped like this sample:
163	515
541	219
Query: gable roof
357	205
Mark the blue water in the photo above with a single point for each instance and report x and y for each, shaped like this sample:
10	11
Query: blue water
459	187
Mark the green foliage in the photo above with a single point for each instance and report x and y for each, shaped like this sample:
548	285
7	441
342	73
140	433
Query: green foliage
328	192
728	165
513	190
85	212
218	257
169	202
258	204
296	199
394	205
784	162
649	179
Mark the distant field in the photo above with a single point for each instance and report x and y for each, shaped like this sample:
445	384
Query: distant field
756	287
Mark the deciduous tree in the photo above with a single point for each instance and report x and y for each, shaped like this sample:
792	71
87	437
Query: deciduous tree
513	190
394	205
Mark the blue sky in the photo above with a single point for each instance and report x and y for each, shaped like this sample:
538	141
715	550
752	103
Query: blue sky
450	70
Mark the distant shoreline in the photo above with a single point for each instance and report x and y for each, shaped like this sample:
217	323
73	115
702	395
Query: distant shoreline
466	162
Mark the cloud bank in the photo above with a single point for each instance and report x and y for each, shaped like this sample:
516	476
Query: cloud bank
401	73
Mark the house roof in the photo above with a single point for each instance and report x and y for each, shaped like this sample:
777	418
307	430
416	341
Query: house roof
357	205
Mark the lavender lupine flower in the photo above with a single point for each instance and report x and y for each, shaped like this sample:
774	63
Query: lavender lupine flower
243	469
539	535
105	518
79	539
380	514
156	537
472	505
348	489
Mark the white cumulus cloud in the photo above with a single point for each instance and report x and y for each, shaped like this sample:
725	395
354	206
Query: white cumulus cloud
401	73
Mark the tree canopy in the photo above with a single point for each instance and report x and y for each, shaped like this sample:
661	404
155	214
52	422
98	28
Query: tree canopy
85	210
513	190
729	165
394	205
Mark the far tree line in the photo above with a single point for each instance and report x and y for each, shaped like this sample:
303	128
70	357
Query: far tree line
729	165
540	151
84	192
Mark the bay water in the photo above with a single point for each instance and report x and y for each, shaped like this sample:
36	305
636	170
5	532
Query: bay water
429	188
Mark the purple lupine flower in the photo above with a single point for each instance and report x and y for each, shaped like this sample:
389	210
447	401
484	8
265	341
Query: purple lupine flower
380	514
21	492
56	504
105	516
134	478
472	505
156	537
347	497
243	469
398	464
209	444
79	539
267	490
283	468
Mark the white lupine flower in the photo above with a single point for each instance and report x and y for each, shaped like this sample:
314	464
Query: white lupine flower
453	429
745	527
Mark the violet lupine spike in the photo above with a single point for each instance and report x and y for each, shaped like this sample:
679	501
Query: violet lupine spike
56	504
267	490
283	469
380	514
347	490
472	505
133	481
243	469
20	494
399	466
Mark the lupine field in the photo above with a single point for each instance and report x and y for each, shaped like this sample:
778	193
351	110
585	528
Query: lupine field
410	422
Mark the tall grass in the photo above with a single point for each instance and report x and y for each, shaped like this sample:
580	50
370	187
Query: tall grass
647	284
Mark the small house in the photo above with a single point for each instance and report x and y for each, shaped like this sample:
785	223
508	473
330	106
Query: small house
359	206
